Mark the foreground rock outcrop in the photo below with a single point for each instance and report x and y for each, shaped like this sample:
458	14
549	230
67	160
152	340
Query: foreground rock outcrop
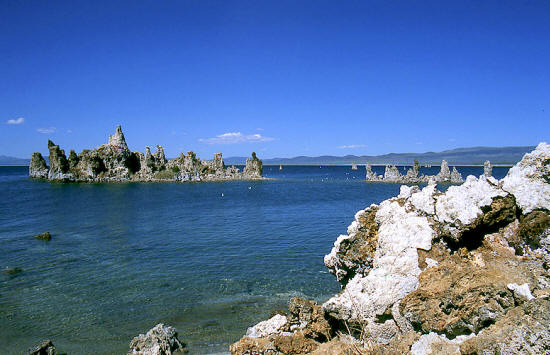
392	174
426	272
114	161
46	347
160	340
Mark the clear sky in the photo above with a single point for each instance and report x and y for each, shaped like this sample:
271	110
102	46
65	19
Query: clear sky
282	78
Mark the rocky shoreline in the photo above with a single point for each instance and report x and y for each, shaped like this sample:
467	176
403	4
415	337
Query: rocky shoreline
114	162
426	272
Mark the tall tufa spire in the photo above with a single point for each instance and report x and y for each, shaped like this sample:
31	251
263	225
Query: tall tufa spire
117	139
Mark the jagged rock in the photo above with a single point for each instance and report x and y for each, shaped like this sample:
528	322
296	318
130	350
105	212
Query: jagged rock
371	176
46	347
115	162
160	340
465	292
529	180
412	173
533	227
44	236
308	317
73	160
59	166
354	253
160	158
118	139
523	330
461	205
433	343
253	346
455	176
465	271
299	333
295	344
38	167
413	176
487	169
444	173
392	174
253	167
274	325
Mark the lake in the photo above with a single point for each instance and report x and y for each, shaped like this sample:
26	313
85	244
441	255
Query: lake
210	259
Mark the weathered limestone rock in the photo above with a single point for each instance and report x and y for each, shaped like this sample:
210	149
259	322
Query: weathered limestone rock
59	166
461	205
392	174
455	176
46	347
371	176
487	169
160	340
73	160
354	253
523	330
529	180
115	162
465	271
433	343
444	173
253	167
413	176
46	236
412	173
395	267
308	317
274	325
118	139
38	167
299	333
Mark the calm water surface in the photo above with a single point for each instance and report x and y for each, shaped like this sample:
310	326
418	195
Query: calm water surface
126	256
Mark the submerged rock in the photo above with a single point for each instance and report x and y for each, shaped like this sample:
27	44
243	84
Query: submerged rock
13	271
115	162
426	272
46	347
44	236
160	340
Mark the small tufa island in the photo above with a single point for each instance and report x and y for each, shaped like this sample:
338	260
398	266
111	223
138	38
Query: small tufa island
115	162
392	174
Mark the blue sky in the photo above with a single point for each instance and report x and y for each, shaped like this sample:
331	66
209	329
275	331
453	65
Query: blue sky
282	78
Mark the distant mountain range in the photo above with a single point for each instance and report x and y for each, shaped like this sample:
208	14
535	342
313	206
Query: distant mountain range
459	156
5	160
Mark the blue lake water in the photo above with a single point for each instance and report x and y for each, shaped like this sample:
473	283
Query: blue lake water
126	256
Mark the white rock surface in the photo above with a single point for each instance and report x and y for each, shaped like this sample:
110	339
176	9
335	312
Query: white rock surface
521	291
461	205
423	346
268	327
395	269
529	180
424	200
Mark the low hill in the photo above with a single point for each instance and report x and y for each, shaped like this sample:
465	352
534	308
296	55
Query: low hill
459	156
